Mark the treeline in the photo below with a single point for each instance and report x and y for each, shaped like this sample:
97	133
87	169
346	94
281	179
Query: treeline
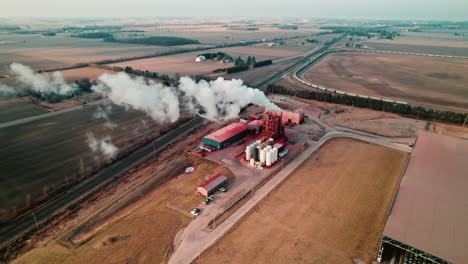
157	41
362	31
403	109
84	86
262	63
219	56
94	35
288	27
244	65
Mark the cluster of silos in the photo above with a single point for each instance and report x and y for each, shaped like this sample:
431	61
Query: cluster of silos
261	153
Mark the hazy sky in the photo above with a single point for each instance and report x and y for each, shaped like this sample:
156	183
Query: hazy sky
365	9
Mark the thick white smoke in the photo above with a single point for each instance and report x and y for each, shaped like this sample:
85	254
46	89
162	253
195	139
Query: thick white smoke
158	101
221	99
102	146
6	91
41	83
215	100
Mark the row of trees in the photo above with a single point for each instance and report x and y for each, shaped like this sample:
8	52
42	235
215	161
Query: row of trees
404	109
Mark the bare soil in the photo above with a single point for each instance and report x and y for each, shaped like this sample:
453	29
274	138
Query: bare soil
331	210
435	82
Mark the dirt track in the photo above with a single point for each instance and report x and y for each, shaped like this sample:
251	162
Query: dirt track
435	82
329	211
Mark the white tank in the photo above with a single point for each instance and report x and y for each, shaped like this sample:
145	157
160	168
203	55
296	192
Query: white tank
252	162
271	141
262	156
275	154
248	153
268	158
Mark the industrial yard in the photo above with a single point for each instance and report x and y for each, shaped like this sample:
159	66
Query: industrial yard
229	140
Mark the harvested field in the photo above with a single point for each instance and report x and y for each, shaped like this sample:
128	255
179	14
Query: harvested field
40	156
141	233
17	108
430	48
432	82
261	53
331	210
183	64
422	42
61	51
257	75
92	73
219	34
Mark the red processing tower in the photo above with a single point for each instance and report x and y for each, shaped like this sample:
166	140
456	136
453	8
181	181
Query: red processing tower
272	125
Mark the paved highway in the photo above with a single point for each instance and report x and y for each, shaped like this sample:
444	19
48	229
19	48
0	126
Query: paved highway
19	226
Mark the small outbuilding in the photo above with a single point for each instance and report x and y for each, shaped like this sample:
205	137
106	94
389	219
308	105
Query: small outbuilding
200	58
210	186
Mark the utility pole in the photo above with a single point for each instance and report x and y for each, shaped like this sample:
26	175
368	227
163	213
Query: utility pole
252	189
37	225
464	122
214	221
154	152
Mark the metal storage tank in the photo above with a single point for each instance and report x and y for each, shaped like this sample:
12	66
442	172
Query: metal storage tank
262	156
256	153
248	153
268	158
271	141
275	154
252	162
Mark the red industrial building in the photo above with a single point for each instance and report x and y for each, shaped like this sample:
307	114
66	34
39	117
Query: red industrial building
292	117
227	135
210	186
257	125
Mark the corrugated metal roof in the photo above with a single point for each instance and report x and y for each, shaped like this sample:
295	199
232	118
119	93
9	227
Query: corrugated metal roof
430	211
213	182
228	132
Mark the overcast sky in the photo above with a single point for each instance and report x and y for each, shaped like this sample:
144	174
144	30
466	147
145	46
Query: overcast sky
364	9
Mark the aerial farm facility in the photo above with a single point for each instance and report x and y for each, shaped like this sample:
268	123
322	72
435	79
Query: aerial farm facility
428	220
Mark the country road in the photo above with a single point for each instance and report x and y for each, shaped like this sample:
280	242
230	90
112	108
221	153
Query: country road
19	226
196	239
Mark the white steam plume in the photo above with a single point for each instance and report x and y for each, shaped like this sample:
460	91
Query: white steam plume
158	101
6	91
102	146
215	100
222	99
103	113
41	83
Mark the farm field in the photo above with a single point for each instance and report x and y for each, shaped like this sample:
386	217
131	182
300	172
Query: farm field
219	34
432	82
42	53
16	108
254	76
331	210
92	73
40	156
185	64
426	48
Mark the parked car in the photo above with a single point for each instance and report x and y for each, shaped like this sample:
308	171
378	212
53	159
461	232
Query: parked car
195	212
208	200
221	189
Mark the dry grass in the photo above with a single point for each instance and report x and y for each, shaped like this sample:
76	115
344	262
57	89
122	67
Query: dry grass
331	210
142	233
435	82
